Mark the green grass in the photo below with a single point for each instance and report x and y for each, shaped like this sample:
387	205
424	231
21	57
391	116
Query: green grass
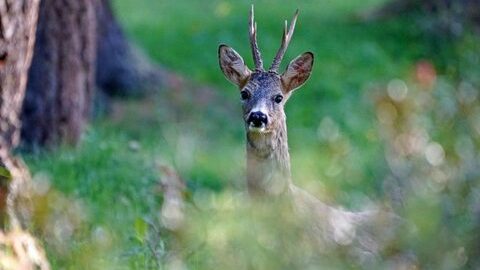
117	184
350	58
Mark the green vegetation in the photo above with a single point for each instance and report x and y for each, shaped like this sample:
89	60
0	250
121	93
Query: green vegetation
337	142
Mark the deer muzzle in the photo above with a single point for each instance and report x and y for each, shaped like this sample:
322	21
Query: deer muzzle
257	121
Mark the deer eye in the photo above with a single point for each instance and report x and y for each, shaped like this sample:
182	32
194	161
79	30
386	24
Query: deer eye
245	94
278	98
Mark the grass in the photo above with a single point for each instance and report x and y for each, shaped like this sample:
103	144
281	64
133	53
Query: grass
351	57
113	173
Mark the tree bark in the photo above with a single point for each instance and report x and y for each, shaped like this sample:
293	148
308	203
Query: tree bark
62	77
18	20
122	69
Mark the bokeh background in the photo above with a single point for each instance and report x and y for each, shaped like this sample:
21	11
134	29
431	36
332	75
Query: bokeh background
390	117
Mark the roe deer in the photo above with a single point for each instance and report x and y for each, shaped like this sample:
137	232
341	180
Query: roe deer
264	94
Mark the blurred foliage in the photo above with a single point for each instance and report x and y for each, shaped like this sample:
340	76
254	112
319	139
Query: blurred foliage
391	115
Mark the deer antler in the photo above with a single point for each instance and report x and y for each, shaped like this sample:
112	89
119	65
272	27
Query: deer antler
287	36
257	57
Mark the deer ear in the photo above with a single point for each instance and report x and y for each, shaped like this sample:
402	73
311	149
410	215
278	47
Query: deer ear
233	66
298	71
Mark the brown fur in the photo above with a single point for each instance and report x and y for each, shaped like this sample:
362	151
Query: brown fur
268	161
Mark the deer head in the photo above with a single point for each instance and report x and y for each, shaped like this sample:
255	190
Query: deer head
264	93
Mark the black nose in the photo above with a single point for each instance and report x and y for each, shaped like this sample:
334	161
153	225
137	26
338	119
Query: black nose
256	119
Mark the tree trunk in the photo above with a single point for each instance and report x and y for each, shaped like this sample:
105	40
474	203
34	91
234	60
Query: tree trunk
61	80
121	68
18	19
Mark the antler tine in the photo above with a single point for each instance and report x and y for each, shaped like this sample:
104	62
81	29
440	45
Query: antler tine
257	57
287	36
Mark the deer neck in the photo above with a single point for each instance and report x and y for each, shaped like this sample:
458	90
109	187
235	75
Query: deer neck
268	162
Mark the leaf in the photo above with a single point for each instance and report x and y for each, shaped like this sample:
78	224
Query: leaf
141	228
5	173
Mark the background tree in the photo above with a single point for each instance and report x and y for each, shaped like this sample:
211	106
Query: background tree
448	15
61	80
121	69
79	46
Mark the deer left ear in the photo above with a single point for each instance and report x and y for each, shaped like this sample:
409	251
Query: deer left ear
298	72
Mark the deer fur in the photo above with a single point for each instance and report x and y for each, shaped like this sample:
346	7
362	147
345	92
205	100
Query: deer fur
268	159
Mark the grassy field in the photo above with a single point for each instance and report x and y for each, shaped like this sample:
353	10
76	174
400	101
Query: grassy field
336	148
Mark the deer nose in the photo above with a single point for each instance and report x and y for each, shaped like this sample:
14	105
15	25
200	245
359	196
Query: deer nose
257	119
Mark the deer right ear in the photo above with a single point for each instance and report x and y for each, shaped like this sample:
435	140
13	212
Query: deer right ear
233	66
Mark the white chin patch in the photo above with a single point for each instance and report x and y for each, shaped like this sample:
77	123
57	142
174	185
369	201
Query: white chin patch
260	129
